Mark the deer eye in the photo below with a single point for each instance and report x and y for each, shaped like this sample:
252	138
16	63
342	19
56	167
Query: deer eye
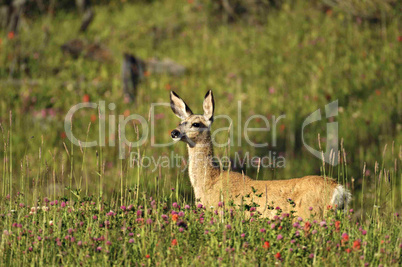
195	125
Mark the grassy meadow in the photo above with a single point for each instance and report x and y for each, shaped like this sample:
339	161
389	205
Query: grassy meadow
63	204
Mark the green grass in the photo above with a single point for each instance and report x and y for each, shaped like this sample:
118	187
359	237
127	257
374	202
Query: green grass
75	234
298	60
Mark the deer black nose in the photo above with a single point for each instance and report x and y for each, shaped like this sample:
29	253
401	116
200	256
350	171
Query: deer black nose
175	134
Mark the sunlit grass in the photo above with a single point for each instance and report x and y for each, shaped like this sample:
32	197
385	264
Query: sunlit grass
95	208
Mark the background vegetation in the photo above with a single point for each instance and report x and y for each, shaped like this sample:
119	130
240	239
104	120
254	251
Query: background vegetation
276	57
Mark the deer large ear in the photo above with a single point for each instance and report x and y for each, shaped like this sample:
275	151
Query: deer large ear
179	107
209	106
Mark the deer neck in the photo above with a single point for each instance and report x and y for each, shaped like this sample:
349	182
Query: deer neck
201	167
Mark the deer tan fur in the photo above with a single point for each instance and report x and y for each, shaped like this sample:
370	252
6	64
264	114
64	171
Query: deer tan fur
212	184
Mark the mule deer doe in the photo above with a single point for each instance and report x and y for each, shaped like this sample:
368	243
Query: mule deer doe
212	184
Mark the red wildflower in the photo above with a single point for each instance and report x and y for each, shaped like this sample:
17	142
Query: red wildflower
337	225
11	35
126	113
329	207
345	237
400	38
174	242
266	245
356	245
348	250
307	227
63	135
147	256
175	217
85	98
93	117
278	255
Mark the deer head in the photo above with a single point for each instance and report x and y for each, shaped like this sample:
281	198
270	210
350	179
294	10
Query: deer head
193	129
